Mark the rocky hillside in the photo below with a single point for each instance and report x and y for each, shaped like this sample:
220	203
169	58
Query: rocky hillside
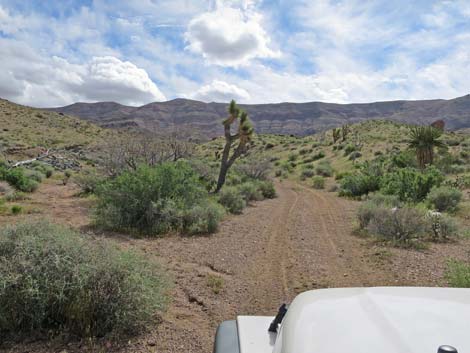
282	118
26	132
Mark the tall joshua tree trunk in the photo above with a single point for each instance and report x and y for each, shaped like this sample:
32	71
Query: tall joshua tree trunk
243	136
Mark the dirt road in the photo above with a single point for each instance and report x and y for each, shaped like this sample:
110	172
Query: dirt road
298	241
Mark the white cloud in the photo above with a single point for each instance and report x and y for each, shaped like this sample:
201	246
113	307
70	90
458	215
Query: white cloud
220	91
31	79
108	78
229	36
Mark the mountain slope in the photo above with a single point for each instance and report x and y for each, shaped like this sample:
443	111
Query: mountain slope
281	118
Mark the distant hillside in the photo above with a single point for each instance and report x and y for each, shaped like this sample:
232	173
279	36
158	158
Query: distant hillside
23	130
282	118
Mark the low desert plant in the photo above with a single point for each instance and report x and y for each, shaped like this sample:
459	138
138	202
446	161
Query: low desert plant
403	226
16	209
250	191
318	182
458	274
440	227
232	200
444	198
267	189
203	219
324	168
54	280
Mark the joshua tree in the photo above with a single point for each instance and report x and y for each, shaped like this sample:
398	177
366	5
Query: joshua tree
345	131
243	136
336	134
423	140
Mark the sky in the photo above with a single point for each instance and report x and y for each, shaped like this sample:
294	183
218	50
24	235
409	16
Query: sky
54	53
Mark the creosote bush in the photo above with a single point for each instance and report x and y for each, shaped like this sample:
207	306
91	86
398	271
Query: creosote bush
153	200
53	280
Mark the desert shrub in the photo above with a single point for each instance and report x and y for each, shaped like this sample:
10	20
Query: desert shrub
317	156
150	200
354	155
365	214
305	151
35	175
16	196
324	168
292	157
444	198
16	209
318	182
278	173
410	184
88	181
250	191
267	189
403	226
404	159
440	227
458	274
349	149
306	173
379	199
54	280
341	175
203	219
355	185
49	172
17	178
254	167
232	200
5	188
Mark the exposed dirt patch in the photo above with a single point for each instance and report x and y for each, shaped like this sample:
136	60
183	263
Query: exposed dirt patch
301	240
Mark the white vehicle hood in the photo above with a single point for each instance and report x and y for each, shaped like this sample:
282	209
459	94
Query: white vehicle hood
365	320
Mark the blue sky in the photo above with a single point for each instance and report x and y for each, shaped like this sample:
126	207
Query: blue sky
59	52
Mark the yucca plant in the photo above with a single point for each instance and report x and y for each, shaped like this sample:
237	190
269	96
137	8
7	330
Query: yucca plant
244	134
423	139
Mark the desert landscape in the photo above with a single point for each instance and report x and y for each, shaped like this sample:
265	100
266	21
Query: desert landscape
237	176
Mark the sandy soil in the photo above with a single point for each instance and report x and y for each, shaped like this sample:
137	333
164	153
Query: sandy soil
299	241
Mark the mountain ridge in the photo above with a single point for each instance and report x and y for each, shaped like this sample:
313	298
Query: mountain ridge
278	118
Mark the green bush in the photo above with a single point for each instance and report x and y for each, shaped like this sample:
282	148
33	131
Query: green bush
267	189
444	198
349	149
16	209
355	185
410	184
54	280
324	168
17	178
49	172
458	274
16	196
365	214
250	191
203	219
150	200
232	200
318	182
